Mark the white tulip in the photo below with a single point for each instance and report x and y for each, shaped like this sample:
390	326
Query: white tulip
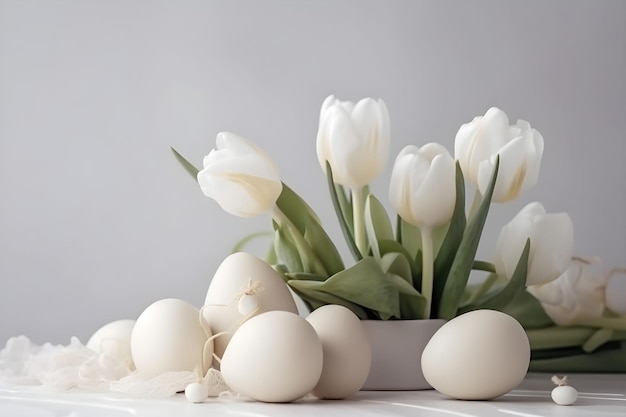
423	192
551	244
423	188
575	296
354	139
240	176
520	147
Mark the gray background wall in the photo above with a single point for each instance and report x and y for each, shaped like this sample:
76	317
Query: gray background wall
97	220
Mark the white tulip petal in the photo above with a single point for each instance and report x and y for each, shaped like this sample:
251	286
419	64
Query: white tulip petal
353	139
240	176
423	188
556	232
578	294
551	244
520	147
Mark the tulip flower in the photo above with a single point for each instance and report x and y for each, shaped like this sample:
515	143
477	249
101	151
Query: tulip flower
520	148
422	188
551	244
240	176
574	297
354	140
423	193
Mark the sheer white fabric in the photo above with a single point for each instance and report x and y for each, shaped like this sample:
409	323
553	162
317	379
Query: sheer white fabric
60	368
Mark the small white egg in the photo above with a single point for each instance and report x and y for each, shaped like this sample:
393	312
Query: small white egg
564	395
113	339
347	351
227	304
478	355
273	357
196	392
168	337
247	304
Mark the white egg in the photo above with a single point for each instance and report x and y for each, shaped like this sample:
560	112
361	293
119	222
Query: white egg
168	337
347	351
228	305
113	339
564	395
273	357
196	392
478	355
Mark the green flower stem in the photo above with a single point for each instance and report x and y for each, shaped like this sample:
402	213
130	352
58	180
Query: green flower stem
613	323
306	252
358	210
558	337
427	269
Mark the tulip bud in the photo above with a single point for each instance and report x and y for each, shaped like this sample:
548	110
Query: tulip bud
578	294
240	176
551	244
520	148
423	188
354	139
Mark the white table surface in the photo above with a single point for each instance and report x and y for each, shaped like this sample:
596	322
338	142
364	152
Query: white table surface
599	395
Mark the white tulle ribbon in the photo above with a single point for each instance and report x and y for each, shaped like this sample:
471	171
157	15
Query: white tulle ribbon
60	368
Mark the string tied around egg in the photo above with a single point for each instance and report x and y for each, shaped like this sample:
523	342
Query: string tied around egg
247	301
247	305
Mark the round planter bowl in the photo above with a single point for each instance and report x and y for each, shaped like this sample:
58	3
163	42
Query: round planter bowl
397	347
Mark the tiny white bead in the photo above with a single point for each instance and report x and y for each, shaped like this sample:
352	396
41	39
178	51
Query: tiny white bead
247	304
564	395
196	392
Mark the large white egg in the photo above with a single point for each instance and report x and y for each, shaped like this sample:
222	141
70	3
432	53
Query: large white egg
168	337
273	357
238	273
347	351
478	355
113	339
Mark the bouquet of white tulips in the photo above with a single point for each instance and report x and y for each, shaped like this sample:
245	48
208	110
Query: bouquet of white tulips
418	265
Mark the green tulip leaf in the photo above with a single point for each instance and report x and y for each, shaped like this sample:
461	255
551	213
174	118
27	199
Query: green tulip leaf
305	276
323	247
271	257
316	299
451	242
286	252
397	264
505	295
412	307
345	204
391	246
191	170
364	284
526	309
456	281
376	216
295	208
403	286
345	229
412	303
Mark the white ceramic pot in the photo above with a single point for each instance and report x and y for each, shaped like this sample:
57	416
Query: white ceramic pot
397	347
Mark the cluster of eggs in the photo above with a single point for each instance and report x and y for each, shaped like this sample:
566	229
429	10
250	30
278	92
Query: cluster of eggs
249	329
